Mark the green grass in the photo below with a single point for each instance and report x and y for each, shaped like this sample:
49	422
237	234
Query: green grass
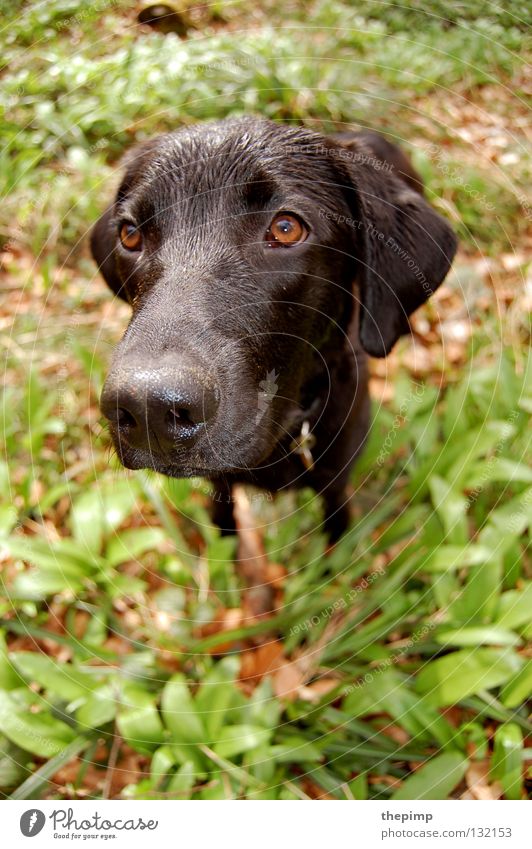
129	666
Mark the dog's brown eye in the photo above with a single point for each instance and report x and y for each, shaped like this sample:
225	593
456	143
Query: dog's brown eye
130	237
286	229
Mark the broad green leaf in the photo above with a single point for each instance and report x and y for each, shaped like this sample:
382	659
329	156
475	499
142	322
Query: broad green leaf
451	507
216	695
261	763
514	517
388	691
59	567
477	636
38	733
59	678
12	771
499	469
449	679
507	760
162	762
180	713
359	787
138	719
37	584
515	608
518	690
8	519
477	601
131	543
295	749
98	709
9	677
234	740
446	557
262	708
435	780
478	442
97	512
61	556
184	779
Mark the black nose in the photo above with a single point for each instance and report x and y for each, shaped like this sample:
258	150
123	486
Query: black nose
153	408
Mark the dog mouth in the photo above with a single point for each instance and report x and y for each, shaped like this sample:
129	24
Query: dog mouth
182	466
136	458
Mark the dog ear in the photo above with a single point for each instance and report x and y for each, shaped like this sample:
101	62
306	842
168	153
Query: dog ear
103	248
405	249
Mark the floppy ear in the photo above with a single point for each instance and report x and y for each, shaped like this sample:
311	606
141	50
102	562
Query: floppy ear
405	250
103	247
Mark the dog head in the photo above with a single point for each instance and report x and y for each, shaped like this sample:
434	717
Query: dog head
242	247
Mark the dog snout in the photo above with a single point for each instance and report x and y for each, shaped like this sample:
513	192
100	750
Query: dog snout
158	408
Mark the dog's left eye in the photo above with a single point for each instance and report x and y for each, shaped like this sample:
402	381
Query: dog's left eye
130	236
286	229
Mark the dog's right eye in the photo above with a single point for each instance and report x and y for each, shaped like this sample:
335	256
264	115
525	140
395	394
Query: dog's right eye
287	229
130	236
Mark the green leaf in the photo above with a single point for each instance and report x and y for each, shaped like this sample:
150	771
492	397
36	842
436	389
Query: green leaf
216	695
296	750
9	677
12	770
100	510
477	601
435	780
388	691
59	567
8	518
359	787
98	709
515	607
180	713
499	469
451	507
477	636
131	543
514	517
478	442
519	688
184	779
446	557
38	733
234	740
449	679
59	678
62	556
138	719
507	760
37	584
162	763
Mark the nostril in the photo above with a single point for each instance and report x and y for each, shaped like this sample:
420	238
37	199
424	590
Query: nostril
125	419
179	417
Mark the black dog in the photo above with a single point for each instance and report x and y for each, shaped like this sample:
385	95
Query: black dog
262	262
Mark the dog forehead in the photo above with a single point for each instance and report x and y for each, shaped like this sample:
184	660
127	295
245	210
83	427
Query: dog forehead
236	152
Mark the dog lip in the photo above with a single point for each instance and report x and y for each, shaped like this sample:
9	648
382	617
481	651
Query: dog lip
135	459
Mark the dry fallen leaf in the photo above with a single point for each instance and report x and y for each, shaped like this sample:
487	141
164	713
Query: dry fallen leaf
252	559
266	659
477	780
288	680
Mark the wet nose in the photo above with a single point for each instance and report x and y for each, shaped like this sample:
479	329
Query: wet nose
155	408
